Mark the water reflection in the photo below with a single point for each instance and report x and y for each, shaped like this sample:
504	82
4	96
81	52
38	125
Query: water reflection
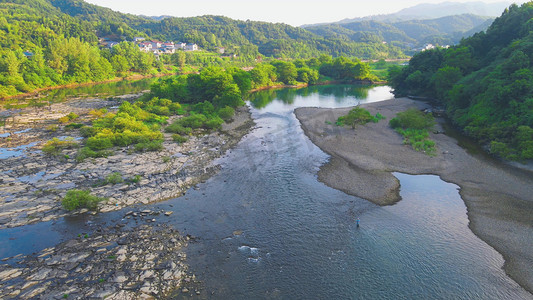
339	93
107	89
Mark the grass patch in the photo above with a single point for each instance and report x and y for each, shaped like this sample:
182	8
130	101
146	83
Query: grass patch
414	126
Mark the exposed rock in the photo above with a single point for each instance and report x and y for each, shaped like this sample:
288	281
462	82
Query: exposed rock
155	270
35	178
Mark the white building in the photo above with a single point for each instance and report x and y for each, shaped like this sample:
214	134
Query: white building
191	47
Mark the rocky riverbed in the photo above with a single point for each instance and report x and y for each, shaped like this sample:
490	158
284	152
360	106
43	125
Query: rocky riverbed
119	262
32	183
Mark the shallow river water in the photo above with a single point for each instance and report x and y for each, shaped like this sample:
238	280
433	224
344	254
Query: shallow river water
267	228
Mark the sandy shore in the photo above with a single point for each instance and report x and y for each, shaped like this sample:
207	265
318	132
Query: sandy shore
498	198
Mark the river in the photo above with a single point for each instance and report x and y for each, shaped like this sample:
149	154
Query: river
268	229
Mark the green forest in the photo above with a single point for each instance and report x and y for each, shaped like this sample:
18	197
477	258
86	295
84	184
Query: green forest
485	83
48	43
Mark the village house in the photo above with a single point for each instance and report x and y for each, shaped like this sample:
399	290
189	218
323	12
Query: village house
168	48
156	44
145	46
138	39
191	47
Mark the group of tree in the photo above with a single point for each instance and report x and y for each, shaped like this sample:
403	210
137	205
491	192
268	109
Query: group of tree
485	82
223	86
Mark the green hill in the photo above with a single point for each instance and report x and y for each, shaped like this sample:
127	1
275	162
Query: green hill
210	32
406	34
485	82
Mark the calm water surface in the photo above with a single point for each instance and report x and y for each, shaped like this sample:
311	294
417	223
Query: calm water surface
269	230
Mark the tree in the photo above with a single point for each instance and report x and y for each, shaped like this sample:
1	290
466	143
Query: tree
444	79
286	71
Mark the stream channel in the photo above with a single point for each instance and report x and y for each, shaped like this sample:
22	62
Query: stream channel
267	228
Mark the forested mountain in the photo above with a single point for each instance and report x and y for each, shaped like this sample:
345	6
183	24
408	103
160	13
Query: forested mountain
210	32
406	34
47	43
485	82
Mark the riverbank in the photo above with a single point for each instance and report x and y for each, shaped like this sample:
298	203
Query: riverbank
36	92
498	198
32	184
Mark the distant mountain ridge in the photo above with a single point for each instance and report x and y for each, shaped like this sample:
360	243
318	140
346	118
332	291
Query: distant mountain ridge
432	11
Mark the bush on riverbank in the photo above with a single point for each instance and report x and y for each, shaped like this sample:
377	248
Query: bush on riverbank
86	152
75	199
413	125
54	146
179	139
358	116
131	125
414	119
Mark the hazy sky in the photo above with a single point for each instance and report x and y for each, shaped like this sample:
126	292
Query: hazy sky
293	12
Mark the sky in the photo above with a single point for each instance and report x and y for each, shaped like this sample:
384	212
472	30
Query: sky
293	12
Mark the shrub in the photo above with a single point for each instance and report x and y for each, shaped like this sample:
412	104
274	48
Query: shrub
226	113
98	113
412	118
55	145
214	123
193	121
71	116
86	152
52	128
99	142
179	139
88	131
73	126
378	117
177	128
135	179
75	199
113	178
63	120
355	117
156	145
